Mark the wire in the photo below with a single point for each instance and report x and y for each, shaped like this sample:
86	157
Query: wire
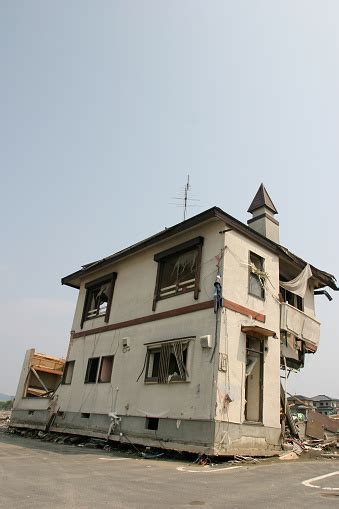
143	369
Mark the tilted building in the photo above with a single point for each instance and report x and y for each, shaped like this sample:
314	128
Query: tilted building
178	340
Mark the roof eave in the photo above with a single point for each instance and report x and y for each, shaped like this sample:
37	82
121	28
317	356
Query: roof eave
324	278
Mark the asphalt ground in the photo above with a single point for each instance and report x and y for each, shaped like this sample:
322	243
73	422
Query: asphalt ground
37	474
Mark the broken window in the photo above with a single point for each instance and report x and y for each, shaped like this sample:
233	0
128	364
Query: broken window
98	299
68	372
178	270
106	367
254	379
291	298
167	362
256	276
92	370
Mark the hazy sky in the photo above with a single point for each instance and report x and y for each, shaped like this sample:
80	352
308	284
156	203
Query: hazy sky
105	107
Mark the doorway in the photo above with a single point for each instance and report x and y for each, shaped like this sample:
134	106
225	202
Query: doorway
254	385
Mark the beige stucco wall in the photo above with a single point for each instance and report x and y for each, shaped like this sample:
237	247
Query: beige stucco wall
134	287
233	341
133	296
197	398
23	378
24	403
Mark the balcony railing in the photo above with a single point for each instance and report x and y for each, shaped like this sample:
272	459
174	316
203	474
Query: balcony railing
298	323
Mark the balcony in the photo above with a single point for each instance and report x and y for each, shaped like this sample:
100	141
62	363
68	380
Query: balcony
301	325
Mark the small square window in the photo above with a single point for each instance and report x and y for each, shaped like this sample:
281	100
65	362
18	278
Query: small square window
106	366
68	372
152	423
256	282
92	370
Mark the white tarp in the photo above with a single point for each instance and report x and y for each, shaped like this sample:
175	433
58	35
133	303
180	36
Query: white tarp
298	285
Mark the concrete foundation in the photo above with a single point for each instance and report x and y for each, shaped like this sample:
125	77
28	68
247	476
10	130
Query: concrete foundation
210	437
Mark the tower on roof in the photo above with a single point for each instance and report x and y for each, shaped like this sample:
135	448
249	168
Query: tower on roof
263	210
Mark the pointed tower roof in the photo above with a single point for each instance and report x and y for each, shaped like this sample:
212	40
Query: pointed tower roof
262	199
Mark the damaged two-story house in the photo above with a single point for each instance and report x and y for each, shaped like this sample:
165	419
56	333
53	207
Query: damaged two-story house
178	341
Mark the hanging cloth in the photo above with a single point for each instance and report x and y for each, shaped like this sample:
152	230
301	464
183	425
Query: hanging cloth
298	285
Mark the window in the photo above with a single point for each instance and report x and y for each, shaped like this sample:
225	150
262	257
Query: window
92	370
98	299
68	372
256	282
178	270
167	362
291	298
254	379
85	415
106	367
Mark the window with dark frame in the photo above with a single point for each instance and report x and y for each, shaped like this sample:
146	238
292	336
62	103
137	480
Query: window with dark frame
167	362
255	285
68	372
178	270
98	298
106	367
291	298
92	370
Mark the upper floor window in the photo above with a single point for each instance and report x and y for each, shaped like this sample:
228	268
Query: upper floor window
256	282
291	298
98	298
178	270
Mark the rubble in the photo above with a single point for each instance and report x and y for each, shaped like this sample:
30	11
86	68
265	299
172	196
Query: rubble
288	456
4	420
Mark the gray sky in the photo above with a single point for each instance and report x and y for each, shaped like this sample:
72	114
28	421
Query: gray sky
105	107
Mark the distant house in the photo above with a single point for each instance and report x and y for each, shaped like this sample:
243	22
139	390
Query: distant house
177	341
326	405
300	404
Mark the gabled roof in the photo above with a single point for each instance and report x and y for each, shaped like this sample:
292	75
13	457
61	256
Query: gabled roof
324	278
298	396
321	397
262	199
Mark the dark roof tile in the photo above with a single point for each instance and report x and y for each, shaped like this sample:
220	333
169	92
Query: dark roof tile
262	199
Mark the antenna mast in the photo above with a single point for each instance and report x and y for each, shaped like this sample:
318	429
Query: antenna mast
187	189
184	198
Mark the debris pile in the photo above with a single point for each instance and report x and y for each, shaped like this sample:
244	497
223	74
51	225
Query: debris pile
4	420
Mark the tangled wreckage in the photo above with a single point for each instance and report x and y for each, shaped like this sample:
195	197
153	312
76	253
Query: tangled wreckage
178	341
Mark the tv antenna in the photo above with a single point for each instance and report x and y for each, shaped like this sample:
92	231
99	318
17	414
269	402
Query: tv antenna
184	198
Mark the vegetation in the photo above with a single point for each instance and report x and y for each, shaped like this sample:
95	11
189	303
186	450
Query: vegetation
6	405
